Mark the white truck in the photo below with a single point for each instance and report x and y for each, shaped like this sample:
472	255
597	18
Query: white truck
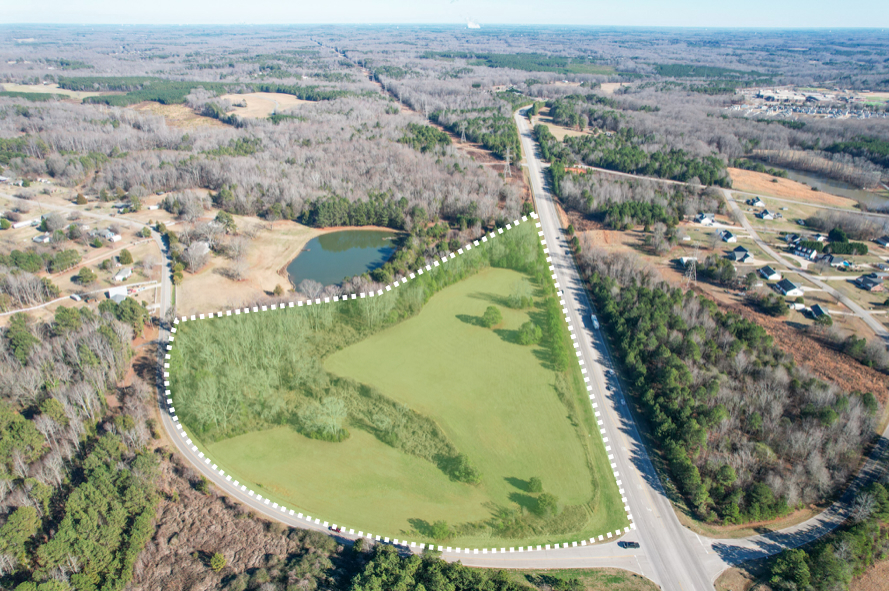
595	321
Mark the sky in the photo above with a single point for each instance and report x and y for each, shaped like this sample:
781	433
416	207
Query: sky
663	13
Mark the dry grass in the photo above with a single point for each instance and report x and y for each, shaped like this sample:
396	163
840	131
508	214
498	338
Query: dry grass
557	130
762	184
263	104
610	87
269	254
50	89
177	115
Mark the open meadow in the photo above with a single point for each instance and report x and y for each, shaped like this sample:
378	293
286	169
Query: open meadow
407	401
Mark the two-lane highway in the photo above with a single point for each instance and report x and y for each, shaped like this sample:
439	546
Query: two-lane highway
673	561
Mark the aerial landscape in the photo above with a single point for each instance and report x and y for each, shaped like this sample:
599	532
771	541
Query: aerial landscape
446	297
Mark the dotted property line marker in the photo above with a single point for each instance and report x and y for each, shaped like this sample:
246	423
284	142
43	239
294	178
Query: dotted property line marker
198	456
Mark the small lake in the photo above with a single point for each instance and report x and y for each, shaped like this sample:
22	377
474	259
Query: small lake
834	187
331	258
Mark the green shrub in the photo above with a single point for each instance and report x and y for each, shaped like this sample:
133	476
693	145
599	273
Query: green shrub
535	485
530	334
492	317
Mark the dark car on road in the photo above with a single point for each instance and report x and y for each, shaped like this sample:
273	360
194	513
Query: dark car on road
628	544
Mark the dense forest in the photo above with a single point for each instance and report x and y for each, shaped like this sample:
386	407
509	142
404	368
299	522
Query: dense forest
76	479
747	435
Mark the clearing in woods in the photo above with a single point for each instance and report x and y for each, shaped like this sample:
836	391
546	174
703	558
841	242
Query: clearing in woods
262	104
411	395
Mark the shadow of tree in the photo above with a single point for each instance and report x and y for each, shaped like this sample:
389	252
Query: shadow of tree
526	502
421	526
520	484
473	320
491	297
510	336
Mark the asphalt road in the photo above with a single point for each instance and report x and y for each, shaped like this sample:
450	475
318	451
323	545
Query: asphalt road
670	557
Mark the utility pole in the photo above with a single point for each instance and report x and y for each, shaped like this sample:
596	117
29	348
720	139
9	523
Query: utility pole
508	169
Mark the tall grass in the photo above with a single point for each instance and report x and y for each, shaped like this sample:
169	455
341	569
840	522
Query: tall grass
248	372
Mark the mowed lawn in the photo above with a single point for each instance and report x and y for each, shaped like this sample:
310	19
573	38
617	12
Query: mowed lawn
494	399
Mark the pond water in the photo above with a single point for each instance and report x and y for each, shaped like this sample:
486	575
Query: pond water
834	187
331	258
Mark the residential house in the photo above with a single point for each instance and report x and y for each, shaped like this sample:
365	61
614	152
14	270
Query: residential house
727	236
741	254
834	261
684	261
883	241
766	215
871	282
818	311
705	219
792	238
110	236
756	202
123	274
769	274
819	238
42	238
810	254
789	288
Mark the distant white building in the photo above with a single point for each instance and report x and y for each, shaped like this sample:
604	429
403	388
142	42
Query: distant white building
727	236
741	254
766	215
706	219
123	274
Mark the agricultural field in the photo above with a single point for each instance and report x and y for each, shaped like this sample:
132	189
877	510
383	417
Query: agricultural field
407	419
262	104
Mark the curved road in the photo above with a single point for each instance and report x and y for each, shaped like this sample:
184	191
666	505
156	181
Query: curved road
671	555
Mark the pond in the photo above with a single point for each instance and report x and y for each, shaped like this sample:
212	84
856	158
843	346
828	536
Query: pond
331	258
869	198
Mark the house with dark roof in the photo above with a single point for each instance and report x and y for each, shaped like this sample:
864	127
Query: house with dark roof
740	254
769	274
810	254
788	288
818	311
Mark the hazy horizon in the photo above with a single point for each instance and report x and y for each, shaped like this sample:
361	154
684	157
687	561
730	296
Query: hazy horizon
754	14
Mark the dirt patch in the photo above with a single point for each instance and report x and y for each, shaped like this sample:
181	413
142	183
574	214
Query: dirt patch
809	352
763	184
270	251
610	87
262	104
178	116
875	579
51	89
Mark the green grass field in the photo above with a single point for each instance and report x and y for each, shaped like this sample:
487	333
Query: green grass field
493	398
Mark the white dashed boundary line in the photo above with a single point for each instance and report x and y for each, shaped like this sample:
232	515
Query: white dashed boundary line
199	458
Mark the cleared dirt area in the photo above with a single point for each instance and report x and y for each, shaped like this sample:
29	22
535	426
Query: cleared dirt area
263	104
177	115
274	246
558	131
763	184
50	89
610	87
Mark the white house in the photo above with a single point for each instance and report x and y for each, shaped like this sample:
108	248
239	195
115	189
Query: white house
788	288
818	311
819	238
42	238
756	202
883	241
684	261
123	274
769	274
765	215
706	219
727	236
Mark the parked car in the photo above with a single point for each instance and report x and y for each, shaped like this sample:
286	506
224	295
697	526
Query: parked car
595	321
801	222
628	544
